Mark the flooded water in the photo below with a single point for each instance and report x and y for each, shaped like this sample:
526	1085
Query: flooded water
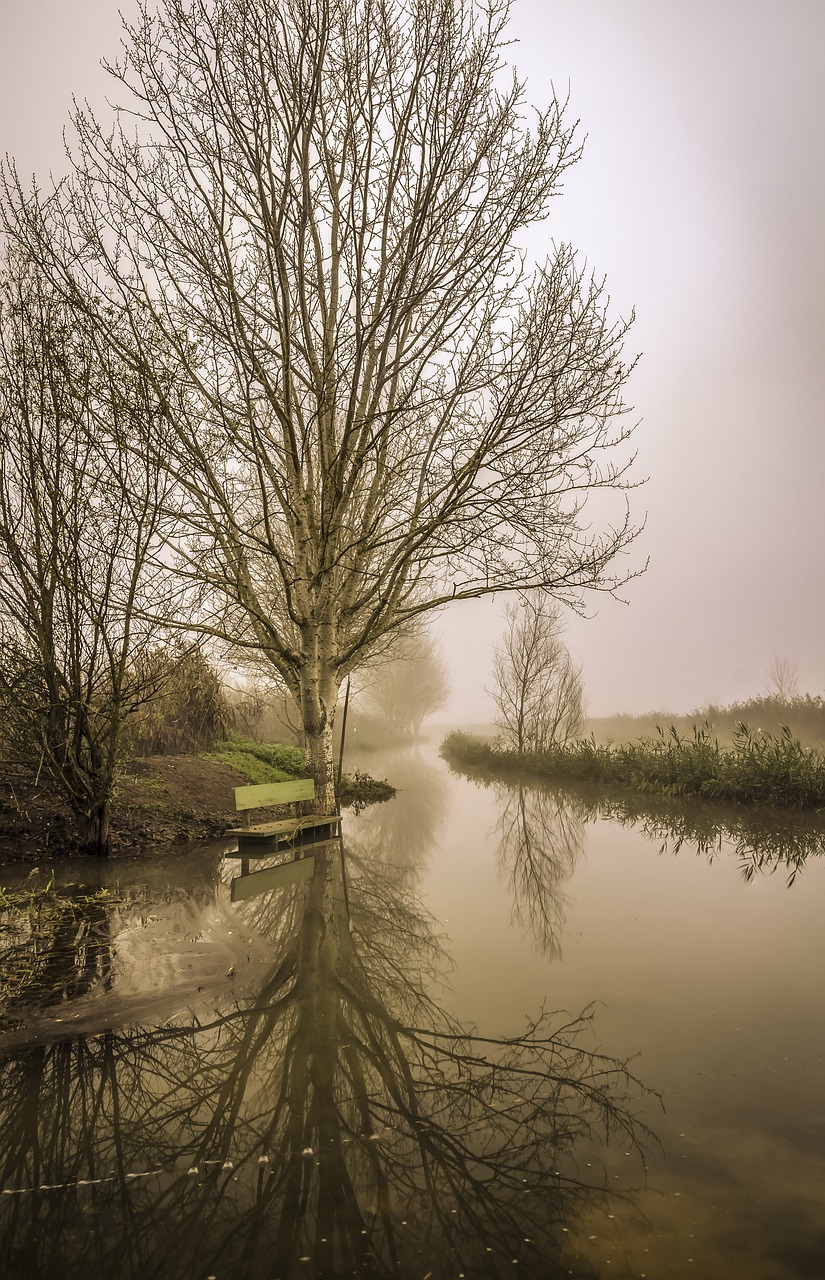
497	1031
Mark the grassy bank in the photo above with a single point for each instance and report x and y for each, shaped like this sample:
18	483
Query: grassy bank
160	800
259	762
278	762
773	770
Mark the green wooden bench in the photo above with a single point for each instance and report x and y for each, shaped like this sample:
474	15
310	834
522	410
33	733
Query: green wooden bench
260	836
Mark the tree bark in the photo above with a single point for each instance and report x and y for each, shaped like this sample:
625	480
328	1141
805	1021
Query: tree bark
319	697
95	831
321	768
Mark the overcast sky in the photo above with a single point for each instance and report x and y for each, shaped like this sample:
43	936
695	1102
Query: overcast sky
701	197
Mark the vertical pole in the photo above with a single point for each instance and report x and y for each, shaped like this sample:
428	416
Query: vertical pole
341	751
344	880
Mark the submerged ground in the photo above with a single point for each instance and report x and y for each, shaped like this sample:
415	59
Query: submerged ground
362	1072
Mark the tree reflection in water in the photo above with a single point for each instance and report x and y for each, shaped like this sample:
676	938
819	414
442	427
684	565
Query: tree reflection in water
342	1124
541	834
542	826
407	829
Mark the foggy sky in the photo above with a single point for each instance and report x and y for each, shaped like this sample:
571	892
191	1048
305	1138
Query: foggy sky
700	196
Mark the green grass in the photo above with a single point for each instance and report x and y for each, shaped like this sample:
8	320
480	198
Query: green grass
259	761
277	762
755	769
152	785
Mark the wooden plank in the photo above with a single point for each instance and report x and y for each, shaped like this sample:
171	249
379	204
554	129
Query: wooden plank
271	878
284	826
263	848
268	793
280	844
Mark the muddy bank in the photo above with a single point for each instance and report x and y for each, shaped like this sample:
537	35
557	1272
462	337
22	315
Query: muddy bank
160	801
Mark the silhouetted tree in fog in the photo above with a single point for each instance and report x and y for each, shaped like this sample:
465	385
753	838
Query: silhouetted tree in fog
410	683
783	678
538	689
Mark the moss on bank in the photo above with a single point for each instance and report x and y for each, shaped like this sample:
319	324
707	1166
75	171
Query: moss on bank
771	770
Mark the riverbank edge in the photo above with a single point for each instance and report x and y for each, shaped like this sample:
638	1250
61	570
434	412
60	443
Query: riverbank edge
160	802
769	772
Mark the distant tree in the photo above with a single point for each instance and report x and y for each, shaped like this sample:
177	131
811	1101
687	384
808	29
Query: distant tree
410	683
316	207
78	522
783	678
538	690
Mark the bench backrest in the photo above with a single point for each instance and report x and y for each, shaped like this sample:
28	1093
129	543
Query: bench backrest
268	793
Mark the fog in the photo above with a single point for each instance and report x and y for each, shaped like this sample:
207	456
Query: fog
700	197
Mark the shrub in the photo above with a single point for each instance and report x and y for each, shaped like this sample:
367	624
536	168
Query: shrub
185	710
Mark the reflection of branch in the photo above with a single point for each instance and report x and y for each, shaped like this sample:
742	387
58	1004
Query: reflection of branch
762	844
362	1123
541	836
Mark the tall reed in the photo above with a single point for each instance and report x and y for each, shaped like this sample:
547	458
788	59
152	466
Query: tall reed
756	768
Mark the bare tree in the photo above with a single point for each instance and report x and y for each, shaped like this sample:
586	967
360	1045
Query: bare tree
408	684
538	690
783	678
378	407
77	523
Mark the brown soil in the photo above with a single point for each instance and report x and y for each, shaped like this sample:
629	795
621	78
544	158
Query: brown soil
161	800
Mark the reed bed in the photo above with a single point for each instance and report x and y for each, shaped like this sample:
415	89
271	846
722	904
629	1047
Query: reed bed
756	768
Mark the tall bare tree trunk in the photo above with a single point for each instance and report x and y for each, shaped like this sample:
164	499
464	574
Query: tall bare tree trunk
319	696
321	768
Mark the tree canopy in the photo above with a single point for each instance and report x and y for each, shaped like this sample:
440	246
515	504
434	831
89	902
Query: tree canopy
373	404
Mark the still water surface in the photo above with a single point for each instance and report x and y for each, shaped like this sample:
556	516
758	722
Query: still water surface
411	1063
